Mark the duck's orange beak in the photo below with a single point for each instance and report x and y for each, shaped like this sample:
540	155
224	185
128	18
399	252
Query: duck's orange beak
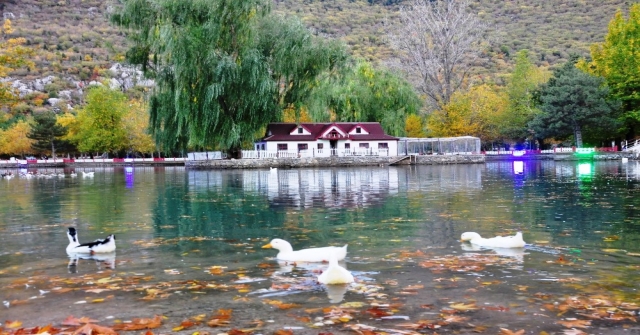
267	246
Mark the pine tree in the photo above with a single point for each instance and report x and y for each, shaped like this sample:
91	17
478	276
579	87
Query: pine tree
46	132
571	102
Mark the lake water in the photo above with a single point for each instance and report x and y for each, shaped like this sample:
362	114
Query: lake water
189	245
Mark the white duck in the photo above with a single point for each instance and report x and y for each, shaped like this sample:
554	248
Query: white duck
335	274
286	252
515	241
87	174
98	246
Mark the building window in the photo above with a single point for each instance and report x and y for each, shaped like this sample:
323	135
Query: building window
300	130
282	147
383	145
364	145
303	146
347	146
263	146
320	146
358	130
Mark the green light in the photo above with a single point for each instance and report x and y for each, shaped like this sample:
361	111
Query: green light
584	169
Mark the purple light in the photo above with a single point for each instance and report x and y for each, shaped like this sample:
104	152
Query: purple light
128	176
518	167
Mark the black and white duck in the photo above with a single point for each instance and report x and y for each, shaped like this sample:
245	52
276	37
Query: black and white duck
98	246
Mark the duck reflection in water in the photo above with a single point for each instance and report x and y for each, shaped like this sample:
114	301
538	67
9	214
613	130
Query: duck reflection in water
516	253
302	277
105	261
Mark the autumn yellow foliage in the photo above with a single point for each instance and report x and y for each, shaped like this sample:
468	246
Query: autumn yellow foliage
476	112
14	141
414	126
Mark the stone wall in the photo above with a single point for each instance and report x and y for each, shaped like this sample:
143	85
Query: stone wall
330	161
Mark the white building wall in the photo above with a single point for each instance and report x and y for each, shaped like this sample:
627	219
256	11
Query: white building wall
292	146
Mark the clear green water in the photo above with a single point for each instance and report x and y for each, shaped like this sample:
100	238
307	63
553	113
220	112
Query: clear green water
402	225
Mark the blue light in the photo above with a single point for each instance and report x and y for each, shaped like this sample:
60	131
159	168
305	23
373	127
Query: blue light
128	176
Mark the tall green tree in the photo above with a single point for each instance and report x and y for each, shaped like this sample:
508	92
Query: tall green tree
521	108
617	59
47	133
100	125
362	92
221	71
571	102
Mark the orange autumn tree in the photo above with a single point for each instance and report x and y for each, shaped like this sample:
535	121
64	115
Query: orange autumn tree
14	141
414	126
476	112
136	126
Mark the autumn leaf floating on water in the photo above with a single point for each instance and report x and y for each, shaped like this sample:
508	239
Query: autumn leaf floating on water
140	324
575	323
93	329
220	319
72	321
280	304
505	331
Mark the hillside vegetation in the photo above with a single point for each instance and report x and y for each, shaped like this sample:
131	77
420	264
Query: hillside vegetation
74	39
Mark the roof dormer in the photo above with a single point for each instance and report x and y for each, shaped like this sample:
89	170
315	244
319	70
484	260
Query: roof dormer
358	130
300	130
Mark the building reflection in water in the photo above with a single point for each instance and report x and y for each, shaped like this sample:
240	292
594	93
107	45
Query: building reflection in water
339	187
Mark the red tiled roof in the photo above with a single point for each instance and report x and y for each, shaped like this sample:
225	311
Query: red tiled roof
282	131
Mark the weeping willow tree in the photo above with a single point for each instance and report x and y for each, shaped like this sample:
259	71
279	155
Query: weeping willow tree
363	93
298	60
223	68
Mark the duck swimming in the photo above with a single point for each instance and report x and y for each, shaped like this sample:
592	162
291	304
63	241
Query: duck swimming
286	252
515	241
335	274
98	246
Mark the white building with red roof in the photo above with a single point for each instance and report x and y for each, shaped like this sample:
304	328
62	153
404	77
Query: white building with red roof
327	139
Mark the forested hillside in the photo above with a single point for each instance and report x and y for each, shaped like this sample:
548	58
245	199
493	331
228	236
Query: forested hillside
74	39
70	44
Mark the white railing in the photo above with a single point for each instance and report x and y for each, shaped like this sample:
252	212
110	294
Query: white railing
500	152
90	160
204	156
250	154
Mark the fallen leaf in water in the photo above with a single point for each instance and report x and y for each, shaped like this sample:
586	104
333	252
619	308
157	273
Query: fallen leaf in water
216	270
220	319
235	331
280	304
611	238
283	332
97	290
72	321
378	312
573	331
13	324
464	307
186	324
575	323
140	323
505	331
92	329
